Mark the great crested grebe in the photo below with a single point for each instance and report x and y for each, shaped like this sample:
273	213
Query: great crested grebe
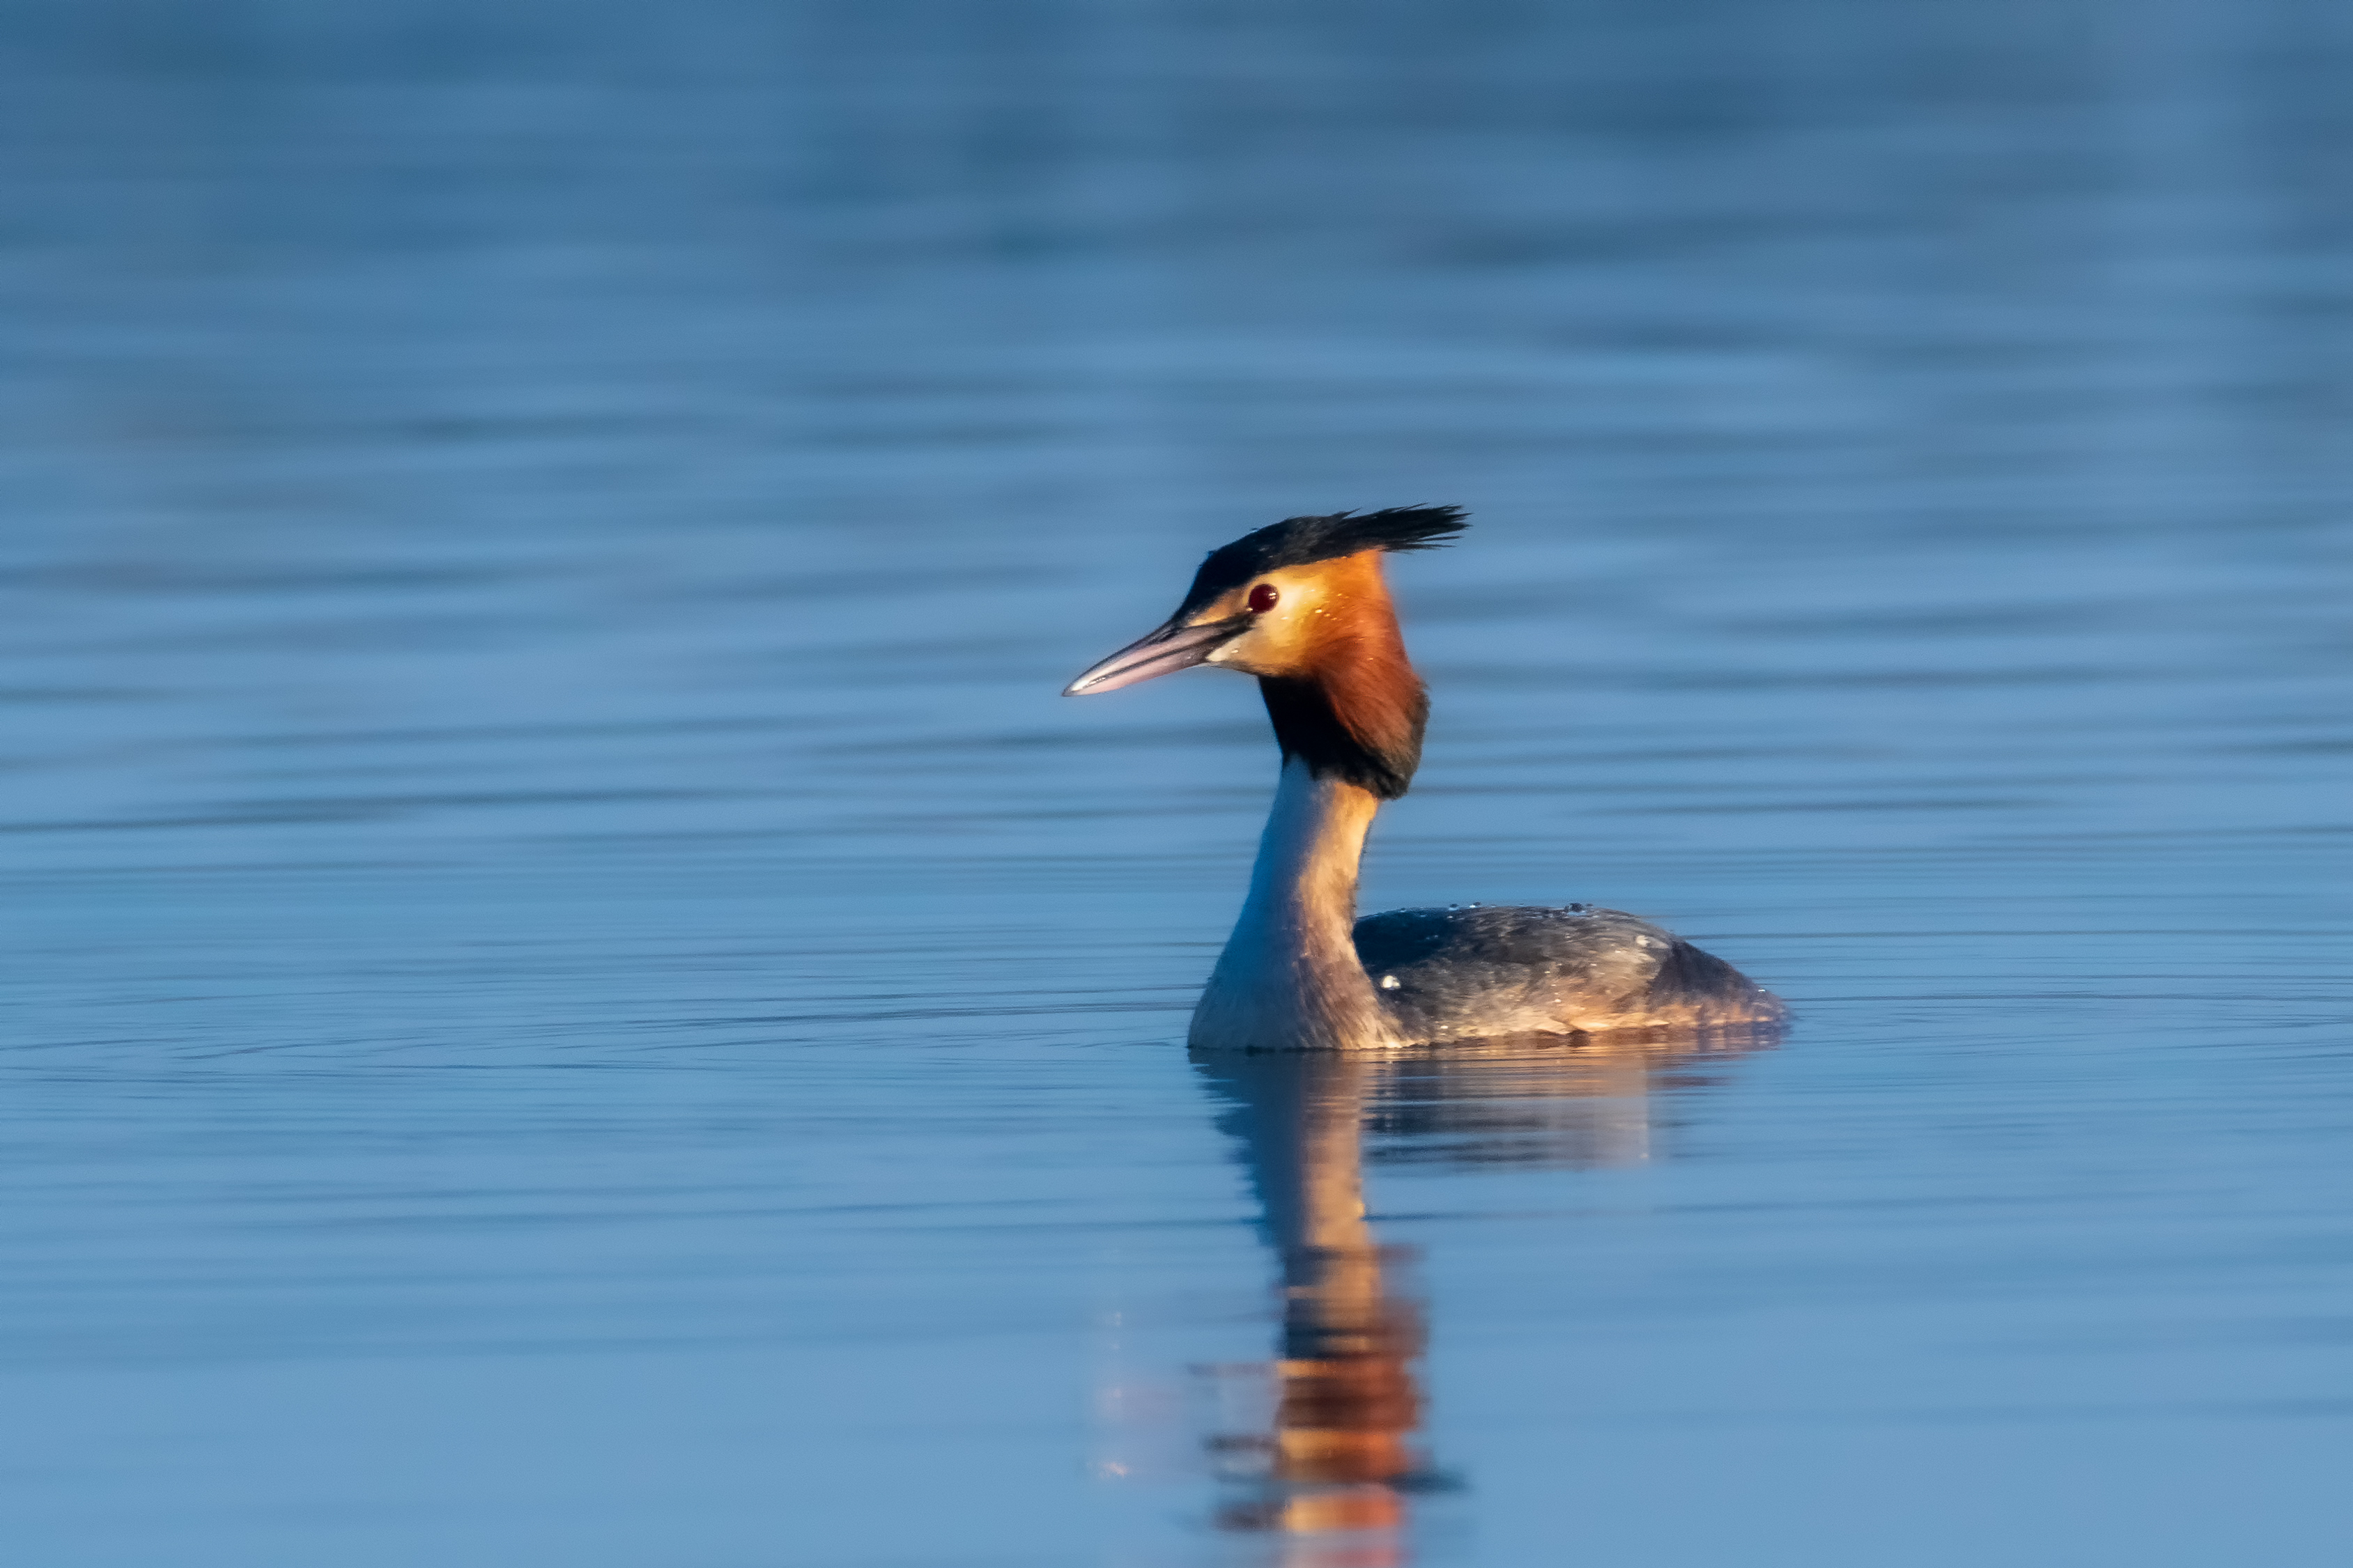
1303	606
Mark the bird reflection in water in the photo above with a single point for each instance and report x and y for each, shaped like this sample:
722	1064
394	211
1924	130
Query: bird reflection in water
1328	1474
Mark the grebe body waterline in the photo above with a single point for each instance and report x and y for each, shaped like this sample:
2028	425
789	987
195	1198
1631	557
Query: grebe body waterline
1303	604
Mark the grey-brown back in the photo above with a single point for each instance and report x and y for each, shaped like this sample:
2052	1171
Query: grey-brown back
1477	970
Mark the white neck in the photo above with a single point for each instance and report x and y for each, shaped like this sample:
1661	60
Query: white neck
1289	978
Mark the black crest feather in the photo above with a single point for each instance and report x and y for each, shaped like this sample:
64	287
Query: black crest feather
1303	540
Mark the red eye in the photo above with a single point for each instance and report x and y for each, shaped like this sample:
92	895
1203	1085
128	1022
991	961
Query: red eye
1262	598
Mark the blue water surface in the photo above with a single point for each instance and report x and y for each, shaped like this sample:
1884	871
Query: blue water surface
573	995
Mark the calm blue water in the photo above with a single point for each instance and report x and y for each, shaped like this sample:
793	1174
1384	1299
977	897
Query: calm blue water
573	995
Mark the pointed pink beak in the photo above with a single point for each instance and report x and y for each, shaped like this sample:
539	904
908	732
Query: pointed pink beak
1158	652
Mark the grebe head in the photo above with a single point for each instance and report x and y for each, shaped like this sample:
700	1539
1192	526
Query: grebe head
1282	602
1301	606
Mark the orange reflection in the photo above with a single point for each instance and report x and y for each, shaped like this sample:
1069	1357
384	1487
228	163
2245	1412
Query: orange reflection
1329	1475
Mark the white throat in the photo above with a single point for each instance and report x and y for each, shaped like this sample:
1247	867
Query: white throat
1289	978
